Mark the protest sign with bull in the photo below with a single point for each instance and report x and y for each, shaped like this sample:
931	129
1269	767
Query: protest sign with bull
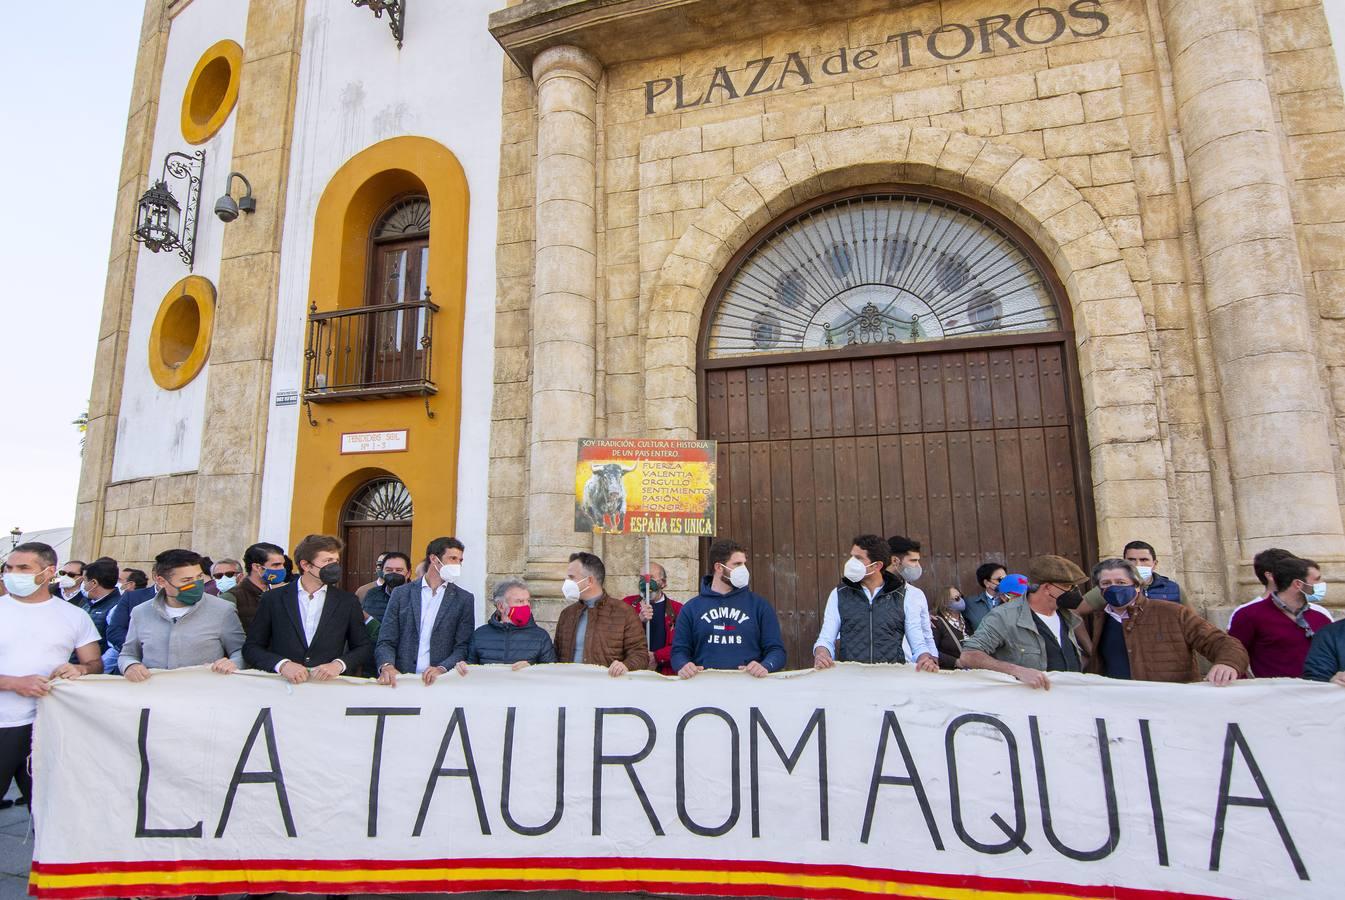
645	486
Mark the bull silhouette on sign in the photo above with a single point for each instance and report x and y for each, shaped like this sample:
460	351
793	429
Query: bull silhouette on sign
605	496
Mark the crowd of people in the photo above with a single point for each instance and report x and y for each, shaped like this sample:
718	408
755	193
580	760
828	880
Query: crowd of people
1123	620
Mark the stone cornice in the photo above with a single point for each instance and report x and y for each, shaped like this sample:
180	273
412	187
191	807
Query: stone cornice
616	31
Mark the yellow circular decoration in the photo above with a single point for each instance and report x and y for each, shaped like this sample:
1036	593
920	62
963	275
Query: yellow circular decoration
211	91
179	342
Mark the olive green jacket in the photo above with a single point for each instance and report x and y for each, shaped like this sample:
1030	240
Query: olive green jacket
1009	634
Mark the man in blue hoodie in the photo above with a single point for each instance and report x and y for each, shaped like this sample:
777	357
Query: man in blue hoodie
726	626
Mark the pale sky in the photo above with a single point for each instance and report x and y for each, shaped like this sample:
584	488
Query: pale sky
67	84
65	102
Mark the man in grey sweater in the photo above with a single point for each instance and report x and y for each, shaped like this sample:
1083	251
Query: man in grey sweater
182	626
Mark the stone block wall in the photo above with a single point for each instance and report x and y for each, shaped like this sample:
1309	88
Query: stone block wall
144	517
1099	111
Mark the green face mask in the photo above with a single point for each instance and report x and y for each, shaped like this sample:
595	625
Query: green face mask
191	595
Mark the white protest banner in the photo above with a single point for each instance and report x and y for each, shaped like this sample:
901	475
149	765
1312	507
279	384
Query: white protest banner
845	783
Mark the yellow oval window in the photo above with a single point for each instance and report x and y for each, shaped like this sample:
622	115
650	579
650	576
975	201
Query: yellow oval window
179	342
211	91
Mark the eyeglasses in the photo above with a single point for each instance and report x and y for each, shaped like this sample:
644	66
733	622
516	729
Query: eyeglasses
63	573
225	575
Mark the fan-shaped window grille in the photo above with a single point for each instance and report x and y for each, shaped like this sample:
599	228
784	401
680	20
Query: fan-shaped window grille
381	500
883	268
409	217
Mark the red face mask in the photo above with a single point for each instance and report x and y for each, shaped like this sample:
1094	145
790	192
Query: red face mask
520	615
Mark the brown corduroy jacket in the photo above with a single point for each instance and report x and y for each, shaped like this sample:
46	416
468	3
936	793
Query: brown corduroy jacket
614	632
1162	639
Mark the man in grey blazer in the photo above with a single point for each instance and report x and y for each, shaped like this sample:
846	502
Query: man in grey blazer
429	622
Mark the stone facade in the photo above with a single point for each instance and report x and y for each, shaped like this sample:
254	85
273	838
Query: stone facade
1179	168
144	517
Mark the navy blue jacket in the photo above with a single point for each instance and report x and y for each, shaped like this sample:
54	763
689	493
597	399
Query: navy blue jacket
1163	588
725	631
119	620
499	641
1326	656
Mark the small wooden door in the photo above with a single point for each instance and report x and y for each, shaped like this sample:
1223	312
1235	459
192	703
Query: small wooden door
377	519
971	452
395	354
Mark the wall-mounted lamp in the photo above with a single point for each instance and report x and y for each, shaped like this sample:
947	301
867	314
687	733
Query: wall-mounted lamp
226	207
162	224
396	10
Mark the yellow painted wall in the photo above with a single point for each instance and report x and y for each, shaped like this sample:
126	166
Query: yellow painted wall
324	479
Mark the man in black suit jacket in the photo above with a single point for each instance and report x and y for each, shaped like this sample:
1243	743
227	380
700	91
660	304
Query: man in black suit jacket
404	644
310	626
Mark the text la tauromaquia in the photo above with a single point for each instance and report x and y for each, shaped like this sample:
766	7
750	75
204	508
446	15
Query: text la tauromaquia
947	43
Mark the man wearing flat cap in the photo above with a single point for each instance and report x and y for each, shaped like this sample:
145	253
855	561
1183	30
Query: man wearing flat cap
1029	639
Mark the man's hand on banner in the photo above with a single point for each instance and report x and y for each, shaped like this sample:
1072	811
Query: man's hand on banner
1032	677
68	671
33	686
822	658
224	666
327	671
690	670
1221	675
294	673
432	673
461	668
1338	678
388	675
520	665
926	663
755	669
617	669
137	673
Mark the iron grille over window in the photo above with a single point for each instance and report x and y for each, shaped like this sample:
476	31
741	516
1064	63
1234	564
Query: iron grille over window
874	269
384	499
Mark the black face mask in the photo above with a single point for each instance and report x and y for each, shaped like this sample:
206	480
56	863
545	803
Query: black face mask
1071	599
393	580
330	574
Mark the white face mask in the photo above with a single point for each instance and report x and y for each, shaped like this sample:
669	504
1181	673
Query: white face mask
450	572
570	589
739	577
65	583
912	573
20	584
226	583
1318	591
957	605
855	570
1146	573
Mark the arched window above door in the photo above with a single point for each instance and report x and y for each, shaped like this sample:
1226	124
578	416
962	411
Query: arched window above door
884	268
400	253
380	500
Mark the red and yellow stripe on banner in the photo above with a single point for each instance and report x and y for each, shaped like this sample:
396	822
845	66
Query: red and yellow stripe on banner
74	881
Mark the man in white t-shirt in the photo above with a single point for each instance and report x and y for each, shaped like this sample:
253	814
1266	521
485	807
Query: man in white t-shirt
38	634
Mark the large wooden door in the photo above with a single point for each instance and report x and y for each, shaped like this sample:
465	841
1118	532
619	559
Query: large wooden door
971	451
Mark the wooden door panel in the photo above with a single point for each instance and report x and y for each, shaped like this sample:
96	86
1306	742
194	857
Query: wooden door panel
970	452
763	531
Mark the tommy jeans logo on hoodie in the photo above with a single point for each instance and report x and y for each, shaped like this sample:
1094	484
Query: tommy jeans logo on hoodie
724	619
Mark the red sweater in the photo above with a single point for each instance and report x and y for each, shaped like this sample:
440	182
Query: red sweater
1276	644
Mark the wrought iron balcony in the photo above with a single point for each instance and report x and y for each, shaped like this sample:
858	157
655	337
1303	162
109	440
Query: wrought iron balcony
370	351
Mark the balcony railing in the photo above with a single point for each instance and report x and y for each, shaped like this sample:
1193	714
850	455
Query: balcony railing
370	351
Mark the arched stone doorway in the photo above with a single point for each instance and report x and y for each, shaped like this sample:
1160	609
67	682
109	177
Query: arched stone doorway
895	360
1125	449
377	517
